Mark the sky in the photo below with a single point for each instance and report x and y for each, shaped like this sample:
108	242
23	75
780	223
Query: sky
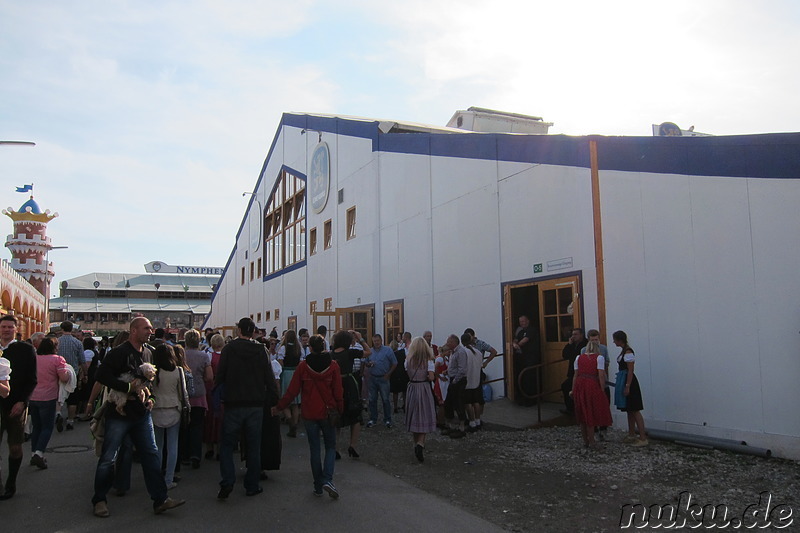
151	118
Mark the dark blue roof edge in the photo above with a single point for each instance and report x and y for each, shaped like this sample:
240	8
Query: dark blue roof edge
763	155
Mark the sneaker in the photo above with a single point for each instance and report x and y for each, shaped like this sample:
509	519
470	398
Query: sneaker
331	490
60	427
172	485
101	510
70	427
371	423
39	462
318	493
167	504
629	439
640	442
388	425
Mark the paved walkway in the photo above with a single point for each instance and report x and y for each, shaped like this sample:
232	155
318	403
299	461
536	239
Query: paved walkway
59	499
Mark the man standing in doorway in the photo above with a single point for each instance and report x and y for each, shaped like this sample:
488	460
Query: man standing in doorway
14	408
380	365
570	352
135	423
527	352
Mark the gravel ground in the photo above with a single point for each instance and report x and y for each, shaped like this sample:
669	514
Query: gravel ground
545	480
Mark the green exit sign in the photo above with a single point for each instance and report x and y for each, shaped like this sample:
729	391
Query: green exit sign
537	268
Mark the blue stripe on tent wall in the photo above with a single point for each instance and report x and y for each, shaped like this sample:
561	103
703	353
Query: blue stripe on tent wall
772	155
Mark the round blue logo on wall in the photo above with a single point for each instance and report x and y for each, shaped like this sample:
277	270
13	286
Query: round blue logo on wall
319	177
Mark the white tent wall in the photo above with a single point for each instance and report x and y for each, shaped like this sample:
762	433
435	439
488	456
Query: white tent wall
700	271
680	281
775	228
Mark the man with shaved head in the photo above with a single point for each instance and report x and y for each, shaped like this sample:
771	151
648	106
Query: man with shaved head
136	422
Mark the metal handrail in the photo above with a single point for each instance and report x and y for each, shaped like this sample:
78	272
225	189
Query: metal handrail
538	397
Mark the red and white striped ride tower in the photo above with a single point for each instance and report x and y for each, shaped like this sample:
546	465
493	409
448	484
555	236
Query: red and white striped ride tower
29	246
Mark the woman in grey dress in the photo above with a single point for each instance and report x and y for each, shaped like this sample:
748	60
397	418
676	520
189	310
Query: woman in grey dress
420	405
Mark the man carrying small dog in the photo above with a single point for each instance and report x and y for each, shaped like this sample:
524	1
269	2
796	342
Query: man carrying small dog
135	422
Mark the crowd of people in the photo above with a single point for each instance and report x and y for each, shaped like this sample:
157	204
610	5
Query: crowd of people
167	399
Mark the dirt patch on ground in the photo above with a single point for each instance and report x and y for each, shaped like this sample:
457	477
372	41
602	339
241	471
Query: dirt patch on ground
545	480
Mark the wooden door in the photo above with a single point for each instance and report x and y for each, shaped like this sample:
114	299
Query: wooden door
559	314
392	321
326	318
360	319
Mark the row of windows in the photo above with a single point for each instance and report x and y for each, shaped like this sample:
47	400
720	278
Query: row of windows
327	303
267	316
327	232
273	251
285	229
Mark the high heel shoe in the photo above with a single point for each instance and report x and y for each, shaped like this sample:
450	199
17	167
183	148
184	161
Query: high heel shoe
418	451
352	453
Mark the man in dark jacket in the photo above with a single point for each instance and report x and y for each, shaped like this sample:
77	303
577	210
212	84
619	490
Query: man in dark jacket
136	422
14	408
244	372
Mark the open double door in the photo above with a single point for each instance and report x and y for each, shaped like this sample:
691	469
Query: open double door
360	319
554	307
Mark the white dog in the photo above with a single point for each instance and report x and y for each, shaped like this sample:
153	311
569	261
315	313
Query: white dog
144	374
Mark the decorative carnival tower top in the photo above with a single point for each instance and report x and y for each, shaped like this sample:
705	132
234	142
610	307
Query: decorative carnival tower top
29	244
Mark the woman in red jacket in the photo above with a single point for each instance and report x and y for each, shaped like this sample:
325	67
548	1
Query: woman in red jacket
319	380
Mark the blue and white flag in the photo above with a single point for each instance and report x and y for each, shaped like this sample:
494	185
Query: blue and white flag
25	188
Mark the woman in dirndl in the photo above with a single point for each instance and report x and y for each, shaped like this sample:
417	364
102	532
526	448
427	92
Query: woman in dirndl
628	394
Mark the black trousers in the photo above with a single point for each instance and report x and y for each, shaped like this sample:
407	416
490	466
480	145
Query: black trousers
454	403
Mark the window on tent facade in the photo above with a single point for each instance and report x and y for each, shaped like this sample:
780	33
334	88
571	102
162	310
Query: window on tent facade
328	234
312	241
285	224
351	223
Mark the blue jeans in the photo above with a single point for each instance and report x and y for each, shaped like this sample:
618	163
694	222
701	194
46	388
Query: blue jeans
377	384
43	418
140	431
171	435
123	465
234	421
322	473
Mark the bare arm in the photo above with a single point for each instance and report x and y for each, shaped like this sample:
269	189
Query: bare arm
492	355
601	376
629	378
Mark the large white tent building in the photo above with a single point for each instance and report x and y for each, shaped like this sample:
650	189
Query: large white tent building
690	245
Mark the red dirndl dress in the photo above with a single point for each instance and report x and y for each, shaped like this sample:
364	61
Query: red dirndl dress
591	404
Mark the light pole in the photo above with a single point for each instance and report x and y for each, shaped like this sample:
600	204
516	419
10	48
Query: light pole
47	275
